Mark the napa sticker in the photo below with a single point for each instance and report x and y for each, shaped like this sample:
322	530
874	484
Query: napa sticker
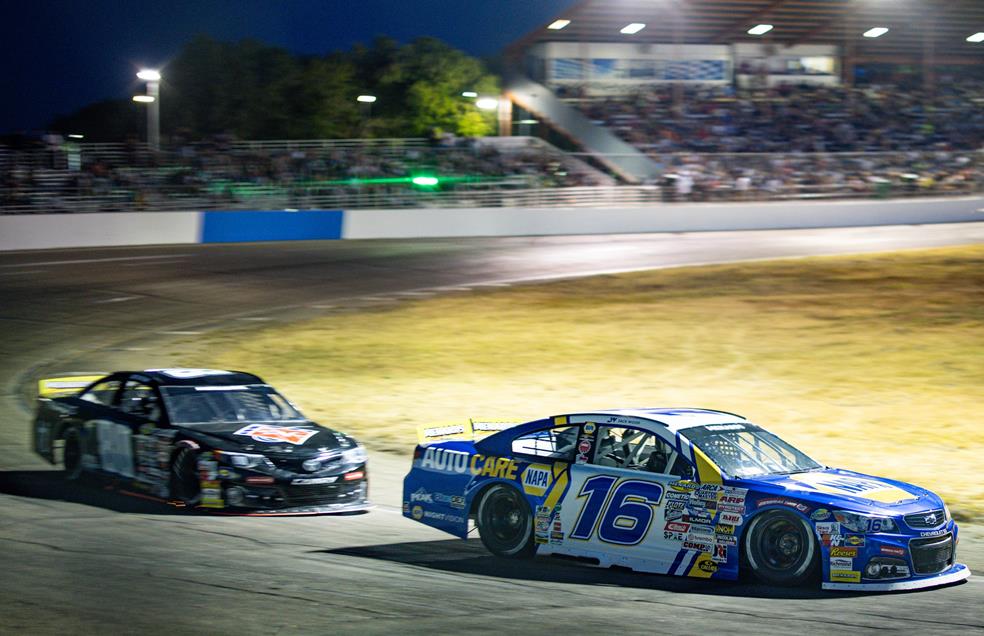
537	479
274	434
855	487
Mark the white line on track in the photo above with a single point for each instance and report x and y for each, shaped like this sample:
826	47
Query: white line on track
22	272
255	318
180	333
80	261
117	299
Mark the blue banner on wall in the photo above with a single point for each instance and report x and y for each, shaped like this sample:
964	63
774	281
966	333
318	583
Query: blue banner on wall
239	226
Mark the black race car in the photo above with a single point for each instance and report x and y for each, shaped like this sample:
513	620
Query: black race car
200	438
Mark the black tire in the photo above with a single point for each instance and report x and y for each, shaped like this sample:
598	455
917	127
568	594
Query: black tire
72	454
505	523
185	486
780	548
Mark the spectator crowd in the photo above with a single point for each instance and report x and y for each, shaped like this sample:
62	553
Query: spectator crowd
710	143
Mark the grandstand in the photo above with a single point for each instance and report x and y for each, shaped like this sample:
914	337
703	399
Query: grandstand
652	100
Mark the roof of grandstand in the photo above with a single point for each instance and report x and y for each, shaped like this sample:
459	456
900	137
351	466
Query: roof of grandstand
917	29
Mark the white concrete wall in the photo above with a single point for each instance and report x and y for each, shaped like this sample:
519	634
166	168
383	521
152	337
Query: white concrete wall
43	231
363	224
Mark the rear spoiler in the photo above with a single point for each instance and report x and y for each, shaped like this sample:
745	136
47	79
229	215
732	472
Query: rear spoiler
471	431
67	384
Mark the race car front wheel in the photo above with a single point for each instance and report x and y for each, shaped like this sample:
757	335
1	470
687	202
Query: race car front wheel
780	548
185	486
72	455
505	523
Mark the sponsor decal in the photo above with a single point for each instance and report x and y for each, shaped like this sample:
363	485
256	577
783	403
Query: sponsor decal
892	550
845	576
708	565
212	494
676	526
707	492
451	461
723	529
778	501
720	554
855	540
444	431
273	434
731	518
732	500
421	495
725	427
841	563
854	486
697	545
731	508
310	481
683	485
556	537
828	527
583	445
443	516
933	533
540	539
673	536
725	539
731	491
537	479
841	551
900	570
589	428
701	530
417	512
542	525
406	507
581	459
820	514
457	502
185	374
673	495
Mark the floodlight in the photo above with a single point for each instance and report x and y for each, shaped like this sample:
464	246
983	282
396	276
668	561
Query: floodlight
634	27
149	75
977	37
143	99
557	25
469	94
760	29
875	32
76	136
424	181
487	103
366	99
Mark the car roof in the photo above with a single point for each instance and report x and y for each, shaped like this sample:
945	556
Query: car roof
674	419
197	377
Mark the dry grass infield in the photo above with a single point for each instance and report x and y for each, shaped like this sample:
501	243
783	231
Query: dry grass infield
874	363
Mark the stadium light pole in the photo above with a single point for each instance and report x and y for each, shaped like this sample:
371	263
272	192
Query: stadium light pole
153	79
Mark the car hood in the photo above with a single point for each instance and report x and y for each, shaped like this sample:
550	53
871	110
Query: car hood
848	489
272	438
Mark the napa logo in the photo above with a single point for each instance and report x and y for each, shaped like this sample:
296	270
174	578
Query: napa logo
537	479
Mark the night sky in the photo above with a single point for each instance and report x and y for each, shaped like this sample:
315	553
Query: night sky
59	55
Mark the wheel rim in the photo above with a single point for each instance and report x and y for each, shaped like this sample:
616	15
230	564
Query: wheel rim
782	544
505	518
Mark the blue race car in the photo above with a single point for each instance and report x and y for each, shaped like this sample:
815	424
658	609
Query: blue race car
690	492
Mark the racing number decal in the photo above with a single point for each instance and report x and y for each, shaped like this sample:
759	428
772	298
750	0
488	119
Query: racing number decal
626	516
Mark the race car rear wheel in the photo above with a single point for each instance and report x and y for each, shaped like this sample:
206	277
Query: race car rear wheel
780	548
505	523
185	485
72	454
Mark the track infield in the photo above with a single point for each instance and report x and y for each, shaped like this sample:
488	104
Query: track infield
873	363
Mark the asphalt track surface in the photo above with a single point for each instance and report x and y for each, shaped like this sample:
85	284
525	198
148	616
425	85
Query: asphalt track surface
86	560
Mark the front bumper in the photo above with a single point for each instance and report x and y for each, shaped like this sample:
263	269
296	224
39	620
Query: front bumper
958	572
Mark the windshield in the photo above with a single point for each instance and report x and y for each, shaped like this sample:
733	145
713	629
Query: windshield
745	450
211	404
